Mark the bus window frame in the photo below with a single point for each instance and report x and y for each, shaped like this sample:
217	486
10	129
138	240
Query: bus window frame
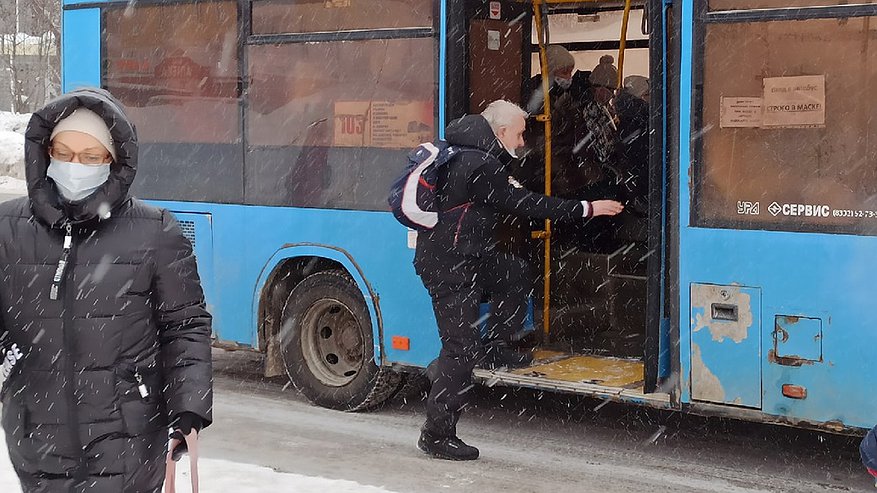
756	12
305	34
105	7
382	34
703	17
246	38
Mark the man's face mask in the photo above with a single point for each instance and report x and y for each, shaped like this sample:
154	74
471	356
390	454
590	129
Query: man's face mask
77	181
563	83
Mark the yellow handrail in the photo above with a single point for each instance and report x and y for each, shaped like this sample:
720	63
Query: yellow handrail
623	44
545	117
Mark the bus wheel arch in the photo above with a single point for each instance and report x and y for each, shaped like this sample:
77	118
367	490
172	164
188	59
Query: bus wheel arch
307	290
284	277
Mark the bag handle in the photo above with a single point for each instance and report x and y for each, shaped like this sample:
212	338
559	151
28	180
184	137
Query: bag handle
171	465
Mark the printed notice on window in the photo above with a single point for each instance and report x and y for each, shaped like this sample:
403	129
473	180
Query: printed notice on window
352	123
740	112
794	102
401	125
393	125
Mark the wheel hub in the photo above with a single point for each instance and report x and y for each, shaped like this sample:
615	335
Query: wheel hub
332	342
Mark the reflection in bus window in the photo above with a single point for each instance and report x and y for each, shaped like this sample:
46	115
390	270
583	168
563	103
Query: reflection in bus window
179	83
813	142
336	133
291	16
167	70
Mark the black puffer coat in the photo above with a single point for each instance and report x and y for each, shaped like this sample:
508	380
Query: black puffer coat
476	192
128	309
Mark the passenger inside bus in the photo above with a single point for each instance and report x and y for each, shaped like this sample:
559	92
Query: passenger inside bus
604	80
599	149
632	110
583	145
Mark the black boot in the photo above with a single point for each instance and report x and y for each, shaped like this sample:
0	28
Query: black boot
449	448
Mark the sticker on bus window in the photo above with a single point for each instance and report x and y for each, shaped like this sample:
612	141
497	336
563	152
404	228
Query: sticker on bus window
385	124
352	123
493	40
794	102
740	112
495	10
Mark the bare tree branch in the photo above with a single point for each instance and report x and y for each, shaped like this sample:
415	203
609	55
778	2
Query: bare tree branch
29	53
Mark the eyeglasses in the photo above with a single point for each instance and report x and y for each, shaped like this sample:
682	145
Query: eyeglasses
87	157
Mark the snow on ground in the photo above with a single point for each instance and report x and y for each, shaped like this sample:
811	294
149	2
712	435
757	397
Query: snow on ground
220	476
14	122
12	126
12	185
223	476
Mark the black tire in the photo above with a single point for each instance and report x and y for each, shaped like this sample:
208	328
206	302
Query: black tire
327	345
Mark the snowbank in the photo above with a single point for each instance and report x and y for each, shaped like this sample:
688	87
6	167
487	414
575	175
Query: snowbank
220	476
12	126
223	476
14	122
10	185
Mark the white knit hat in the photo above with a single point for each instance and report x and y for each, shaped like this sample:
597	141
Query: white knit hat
88	122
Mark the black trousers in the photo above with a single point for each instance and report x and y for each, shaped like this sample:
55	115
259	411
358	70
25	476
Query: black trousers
458	285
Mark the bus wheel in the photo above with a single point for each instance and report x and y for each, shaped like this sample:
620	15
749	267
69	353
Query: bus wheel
328	348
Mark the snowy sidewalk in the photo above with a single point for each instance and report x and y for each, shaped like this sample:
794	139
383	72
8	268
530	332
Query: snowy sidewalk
10	185
12	127
220	476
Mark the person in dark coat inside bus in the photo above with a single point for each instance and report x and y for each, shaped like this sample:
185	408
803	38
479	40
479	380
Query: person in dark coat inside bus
570	172
583	147
103	326
632	108
458	260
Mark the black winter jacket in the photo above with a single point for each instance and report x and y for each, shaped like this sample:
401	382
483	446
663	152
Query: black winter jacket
476	190
633	129
583	138
129	310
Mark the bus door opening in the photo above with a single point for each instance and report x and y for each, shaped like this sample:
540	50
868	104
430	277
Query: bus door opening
596	270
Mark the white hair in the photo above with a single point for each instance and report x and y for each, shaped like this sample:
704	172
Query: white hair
502	113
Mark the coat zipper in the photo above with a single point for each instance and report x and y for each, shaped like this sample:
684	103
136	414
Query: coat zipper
63	277
141	387
62	264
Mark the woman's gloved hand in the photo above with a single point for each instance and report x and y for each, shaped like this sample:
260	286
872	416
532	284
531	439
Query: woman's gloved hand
182	426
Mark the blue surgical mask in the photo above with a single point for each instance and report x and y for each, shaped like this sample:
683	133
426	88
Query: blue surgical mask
77	181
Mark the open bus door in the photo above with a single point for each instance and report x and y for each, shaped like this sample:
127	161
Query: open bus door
622	361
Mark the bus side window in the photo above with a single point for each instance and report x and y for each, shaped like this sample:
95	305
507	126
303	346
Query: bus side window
788	169
179	82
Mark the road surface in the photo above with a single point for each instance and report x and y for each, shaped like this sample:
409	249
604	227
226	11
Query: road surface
530	442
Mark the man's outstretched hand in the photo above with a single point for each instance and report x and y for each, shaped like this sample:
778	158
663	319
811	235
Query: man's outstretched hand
606	208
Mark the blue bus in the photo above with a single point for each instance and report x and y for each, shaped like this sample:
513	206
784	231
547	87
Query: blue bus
273	128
